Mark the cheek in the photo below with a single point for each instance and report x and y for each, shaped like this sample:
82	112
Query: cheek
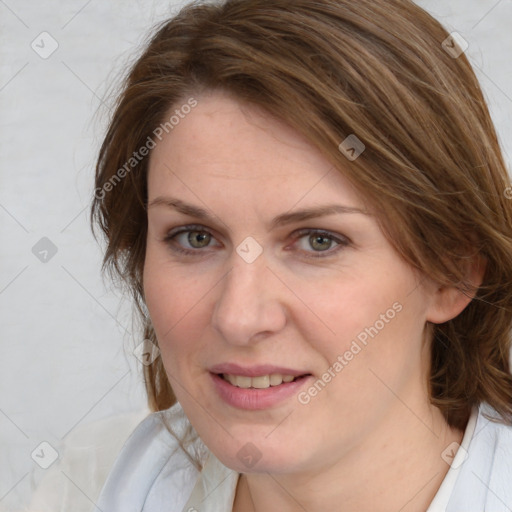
176	298
371	320
177	303
343	308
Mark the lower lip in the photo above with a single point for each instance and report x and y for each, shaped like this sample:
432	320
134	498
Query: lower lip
256	399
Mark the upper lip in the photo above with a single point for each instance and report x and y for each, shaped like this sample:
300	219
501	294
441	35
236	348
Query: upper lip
255	371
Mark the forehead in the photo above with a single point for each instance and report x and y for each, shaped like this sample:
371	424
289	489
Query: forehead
243	153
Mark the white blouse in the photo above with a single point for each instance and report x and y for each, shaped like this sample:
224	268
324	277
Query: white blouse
152	473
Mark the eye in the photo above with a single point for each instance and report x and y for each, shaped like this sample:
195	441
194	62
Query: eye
188	239
320	241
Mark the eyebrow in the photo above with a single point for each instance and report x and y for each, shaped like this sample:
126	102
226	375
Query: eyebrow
280	220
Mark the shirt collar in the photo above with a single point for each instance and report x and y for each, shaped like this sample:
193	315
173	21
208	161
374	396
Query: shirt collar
215	488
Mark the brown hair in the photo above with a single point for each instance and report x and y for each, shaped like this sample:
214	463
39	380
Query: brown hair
432	165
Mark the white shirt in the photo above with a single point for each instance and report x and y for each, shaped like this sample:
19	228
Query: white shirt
153	474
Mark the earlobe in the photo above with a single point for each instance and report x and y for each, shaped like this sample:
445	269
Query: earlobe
450	301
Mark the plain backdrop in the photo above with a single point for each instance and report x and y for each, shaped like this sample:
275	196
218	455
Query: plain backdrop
67	338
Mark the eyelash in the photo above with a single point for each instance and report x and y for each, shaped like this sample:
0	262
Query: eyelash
341	241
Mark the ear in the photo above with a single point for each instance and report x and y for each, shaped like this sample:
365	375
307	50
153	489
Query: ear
449	301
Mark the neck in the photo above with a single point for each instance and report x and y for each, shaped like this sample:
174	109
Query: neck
391	469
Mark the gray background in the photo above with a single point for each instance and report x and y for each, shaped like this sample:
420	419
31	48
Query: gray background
66	336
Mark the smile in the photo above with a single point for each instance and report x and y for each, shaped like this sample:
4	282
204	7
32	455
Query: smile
260	382
258	392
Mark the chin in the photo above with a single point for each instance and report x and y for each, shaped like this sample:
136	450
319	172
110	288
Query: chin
256	457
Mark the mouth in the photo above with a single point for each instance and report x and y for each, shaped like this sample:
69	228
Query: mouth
259	390
261	381
257	387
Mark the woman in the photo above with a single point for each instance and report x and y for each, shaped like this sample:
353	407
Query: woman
309	204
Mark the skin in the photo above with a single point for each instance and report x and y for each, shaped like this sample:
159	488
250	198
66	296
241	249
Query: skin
370	440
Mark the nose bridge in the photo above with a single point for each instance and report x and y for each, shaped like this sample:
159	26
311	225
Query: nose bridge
248	302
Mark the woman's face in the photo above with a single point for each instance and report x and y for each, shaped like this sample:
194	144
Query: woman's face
264	291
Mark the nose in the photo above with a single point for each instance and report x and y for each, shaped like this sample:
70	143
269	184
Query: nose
250	302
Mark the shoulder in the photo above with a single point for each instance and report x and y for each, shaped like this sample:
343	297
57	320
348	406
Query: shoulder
492	440
157	466
485	478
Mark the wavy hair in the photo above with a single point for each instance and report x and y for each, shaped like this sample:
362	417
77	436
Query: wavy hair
432	167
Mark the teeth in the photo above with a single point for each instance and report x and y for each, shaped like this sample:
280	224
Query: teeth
276	379
261	382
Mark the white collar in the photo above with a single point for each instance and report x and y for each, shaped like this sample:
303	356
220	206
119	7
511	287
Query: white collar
215	488
442	497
